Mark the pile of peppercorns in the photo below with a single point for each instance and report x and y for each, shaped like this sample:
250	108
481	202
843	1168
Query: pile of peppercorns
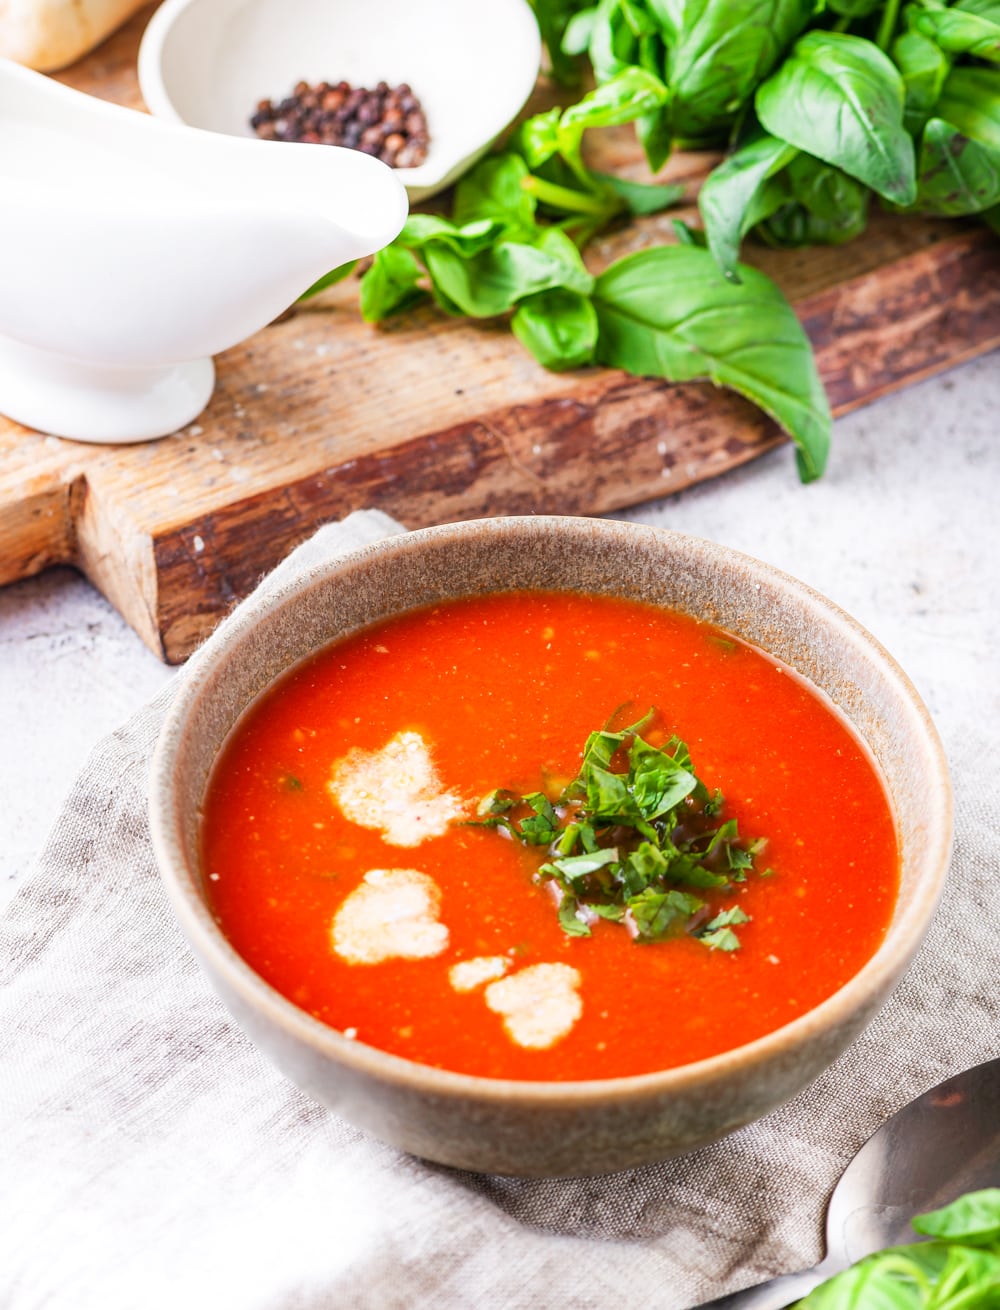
385	121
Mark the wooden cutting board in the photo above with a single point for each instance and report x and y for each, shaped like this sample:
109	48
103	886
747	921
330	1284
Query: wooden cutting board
435	420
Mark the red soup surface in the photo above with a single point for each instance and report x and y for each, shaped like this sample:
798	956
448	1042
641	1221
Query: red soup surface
341	864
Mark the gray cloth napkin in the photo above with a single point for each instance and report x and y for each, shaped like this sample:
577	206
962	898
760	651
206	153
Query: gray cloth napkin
151	1157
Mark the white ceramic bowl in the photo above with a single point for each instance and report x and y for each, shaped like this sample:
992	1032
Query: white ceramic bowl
207	63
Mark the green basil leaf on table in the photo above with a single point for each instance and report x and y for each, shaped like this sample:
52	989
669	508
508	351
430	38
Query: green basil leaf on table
466	239
491	282
626	97
923	66
494	189
330	279
642	197
970	101
824	206
838	97
717	54
613	44
391	285
665	312
727	195
559	328
537	138
971	27
955	175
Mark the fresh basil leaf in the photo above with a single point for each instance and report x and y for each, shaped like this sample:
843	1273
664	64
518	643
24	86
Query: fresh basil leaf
632	94
540	828
469	239
955	175
496	802
824	206
838	97
971	27
579	31
687	235
613	913
744	337
727	196
642	197
328	280
659	782
719	52
559	328
613	45
970	101
923	67
973	1218
644	865
391	284
493	281
494	190
688	870
991	217
537	138
722	939
608	795
657	914
577	867
726	919
569	921
879	1283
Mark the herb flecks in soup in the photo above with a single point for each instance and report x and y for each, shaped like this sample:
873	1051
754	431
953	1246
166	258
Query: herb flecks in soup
468	967
391	914
627	845
394	790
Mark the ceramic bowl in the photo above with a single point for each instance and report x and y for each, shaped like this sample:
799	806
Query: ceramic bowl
207	63
536	1128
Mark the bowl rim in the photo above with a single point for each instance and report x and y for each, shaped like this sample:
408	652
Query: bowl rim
421	181
864	992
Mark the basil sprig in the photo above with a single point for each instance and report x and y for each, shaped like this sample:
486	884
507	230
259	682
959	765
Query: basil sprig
511	250
957	1269
635	845
821	106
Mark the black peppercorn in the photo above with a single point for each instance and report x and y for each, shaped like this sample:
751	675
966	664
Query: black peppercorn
384	121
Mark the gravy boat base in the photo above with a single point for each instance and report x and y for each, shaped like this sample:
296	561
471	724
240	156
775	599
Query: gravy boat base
100	403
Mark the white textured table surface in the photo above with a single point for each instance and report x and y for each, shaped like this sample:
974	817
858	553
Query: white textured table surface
904	532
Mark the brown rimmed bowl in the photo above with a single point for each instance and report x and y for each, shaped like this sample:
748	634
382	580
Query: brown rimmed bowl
567	1128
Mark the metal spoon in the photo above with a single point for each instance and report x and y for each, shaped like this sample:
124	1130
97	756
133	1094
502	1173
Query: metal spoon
941	1145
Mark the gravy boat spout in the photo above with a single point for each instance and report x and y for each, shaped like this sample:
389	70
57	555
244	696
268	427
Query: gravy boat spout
132	250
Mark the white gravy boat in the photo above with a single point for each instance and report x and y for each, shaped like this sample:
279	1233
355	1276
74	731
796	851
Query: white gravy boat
132	250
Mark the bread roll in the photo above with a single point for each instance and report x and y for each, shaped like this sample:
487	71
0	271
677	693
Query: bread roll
49	34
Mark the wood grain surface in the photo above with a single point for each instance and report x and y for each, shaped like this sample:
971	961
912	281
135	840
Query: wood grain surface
435	419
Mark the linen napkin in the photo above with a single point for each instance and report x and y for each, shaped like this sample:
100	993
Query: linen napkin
152	1158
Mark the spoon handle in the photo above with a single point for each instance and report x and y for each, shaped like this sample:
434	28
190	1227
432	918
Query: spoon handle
776	1293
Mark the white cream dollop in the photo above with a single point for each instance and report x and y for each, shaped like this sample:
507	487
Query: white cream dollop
538	1004
467	975
391	915
395	790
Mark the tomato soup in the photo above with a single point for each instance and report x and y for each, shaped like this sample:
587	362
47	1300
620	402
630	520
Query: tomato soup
345	861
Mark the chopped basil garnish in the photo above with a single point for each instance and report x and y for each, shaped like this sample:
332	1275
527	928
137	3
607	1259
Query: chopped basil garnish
629	839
